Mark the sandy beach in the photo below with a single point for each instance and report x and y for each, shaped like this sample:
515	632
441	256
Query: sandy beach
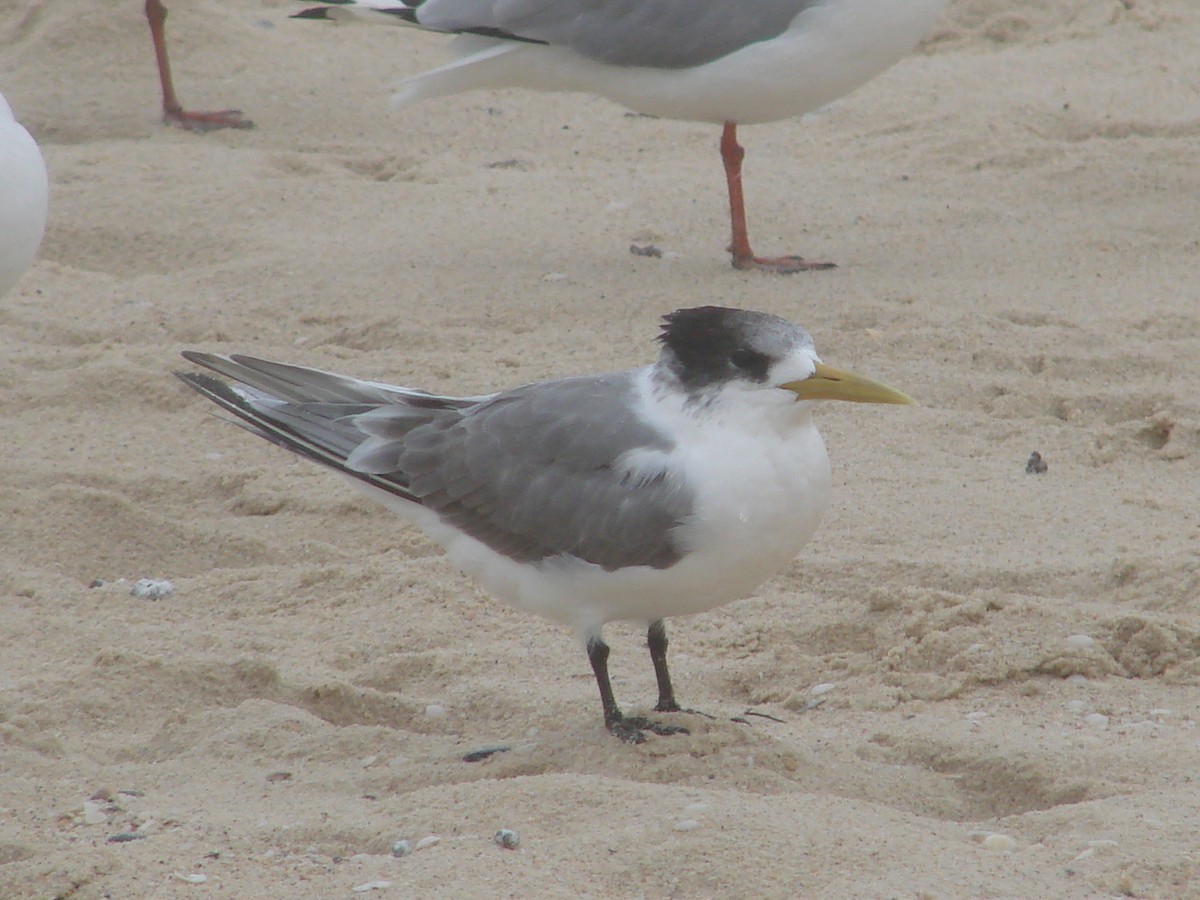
975	682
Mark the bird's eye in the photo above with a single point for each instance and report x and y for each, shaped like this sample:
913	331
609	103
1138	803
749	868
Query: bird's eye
748	360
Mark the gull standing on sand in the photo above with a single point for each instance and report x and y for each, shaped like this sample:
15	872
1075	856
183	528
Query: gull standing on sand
24	195
729	62
663	491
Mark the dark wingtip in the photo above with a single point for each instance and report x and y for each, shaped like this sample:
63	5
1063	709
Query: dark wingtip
214	388
316	12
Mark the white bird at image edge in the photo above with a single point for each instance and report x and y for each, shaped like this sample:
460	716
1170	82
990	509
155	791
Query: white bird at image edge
24	197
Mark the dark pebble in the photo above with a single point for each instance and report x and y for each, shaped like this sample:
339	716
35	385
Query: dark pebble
125	837
483	753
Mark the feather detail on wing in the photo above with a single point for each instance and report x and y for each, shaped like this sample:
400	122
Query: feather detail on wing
562	468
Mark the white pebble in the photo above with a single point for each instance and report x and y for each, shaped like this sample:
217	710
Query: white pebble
687	825
1080	641
370	886
698	806
1077	678
435	711
999	842
402	848
1160	712
192	879
1102	843
507	838
1090	851
977	715
93	813
555	276
1096	720
427	842
1076	706
823	688
152	588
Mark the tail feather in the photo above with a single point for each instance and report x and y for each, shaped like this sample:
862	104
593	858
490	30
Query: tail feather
398	12
302	384
361	11
310	412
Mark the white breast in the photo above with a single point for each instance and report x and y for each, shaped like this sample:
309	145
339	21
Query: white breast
762	481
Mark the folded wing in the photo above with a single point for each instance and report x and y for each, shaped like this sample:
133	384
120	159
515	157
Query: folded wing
557	469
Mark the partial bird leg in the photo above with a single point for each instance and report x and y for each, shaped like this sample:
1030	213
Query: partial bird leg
173	112
732	154
627	728
656	640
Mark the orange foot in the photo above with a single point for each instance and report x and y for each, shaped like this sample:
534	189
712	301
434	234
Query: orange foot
206	121
780	265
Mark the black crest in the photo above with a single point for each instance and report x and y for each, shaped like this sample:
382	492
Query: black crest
714	344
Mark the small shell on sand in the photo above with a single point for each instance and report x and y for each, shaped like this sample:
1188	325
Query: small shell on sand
152	588
507	838
370	886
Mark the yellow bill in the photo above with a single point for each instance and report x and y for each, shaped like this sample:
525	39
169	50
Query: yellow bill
828	383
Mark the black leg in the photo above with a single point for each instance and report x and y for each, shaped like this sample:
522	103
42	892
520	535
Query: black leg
598	656
656	640
627	728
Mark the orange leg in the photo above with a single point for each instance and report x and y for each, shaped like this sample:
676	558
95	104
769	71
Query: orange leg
743	257
173	112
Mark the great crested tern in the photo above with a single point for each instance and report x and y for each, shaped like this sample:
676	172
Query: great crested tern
662	491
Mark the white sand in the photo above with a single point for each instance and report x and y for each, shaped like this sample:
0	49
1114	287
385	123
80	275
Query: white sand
1014	210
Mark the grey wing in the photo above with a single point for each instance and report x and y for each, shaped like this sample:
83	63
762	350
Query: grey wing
660	34
300	383
533	473
317	414
536	473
